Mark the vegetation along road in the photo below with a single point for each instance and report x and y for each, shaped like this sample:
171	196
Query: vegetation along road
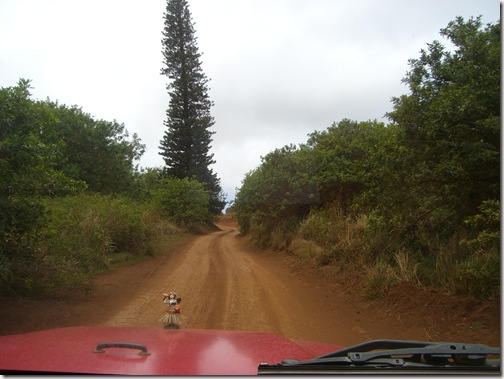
225	283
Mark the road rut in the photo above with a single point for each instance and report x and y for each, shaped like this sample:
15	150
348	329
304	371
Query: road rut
222	287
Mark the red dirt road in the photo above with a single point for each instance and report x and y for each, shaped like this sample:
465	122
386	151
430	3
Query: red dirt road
224	283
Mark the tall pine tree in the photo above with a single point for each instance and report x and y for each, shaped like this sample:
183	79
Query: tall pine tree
186	142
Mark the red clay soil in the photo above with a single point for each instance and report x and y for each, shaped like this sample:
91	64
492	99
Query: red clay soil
225	283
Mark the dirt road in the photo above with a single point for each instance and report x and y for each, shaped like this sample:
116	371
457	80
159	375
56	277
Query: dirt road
224	283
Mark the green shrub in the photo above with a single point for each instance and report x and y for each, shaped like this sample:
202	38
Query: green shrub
276	195
183	201
470	264
259	231
477	275
85	234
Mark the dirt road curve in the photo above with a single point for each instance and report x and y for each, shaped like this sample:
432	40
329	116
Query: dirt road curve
226	284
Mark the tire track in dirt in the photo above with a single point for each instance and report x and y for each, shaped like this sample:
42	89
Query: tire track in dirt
222	287
247	305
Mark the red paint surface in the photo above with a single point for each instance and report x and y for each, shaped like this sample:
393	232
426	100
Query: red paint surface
173	352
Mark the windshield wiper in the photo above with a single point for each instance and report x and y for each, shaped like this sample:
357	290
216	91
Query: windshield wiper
396	357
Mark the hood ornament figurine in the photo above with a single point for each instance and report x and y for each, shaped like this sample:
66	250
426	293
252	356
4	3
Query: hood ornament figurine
172	319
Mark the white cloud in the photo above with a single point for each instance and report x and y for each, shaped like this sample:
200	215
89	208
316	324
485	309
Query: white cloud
279	69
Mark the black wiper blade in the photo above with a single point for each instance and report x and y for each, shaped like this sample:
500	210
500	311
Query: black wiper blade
395	356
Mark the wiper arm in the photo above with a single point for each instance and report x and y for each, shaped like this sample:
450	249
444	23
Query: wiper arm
395	356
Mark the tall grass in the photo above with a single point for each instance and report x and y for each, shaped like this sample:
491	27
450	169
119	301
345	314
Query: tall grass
476	275
340	235
89	233
463	265
379	279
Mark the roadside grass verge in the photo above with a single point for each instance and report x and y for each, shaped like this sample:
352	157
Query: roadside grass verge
338	244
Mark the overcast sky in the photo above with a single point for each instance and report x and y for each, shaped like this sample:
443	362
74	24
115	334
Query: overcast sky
279	69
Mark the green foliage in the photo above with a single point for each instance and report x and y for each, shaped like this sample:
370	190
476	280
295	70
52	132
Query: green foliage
27	173
49	237
277	193
343	156
97	152
145	180
475	275
183	201
85	234
486	227
186	142
416	200
475	268
451	128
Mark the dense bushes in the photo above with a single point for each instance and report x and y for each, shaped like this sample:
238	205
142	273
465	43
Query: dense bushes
416	200
275	194
42	155
85	234
72	201
182	201
97	152
27	173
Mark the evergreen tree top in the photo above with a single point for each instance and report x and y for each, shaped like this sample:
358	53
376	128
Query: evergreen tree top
185	146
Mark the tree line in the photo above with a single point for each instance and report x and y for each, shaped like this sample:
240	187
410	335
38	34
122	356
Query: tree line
72	198
416	199
419	196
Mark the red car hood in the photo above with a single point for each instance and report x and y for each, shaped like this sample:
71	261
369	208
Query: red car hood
170	352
